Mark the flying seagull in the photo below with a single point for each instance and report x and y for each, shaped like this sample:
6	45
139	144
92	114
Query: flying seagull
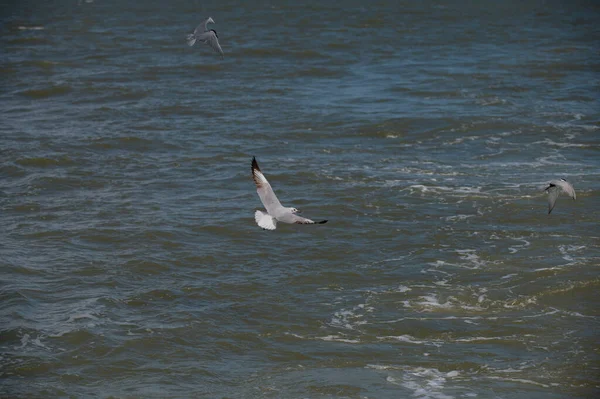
275	211
553	190
210	37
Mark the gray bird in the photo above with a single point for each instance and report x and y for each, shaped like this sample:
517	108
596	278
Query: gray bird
553	190
202	34
275	211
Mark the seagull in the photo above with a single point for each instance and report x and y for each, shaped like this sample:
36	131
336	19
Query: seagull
553	191
275	211
206	36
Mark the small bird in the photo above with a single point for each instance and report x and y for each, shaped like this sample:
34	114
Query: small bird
202	34
553	191
275	211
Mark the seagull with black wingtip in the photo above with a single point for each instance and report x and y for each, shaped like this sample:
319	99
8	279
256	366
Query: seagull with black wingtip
275	211
209	37
554	188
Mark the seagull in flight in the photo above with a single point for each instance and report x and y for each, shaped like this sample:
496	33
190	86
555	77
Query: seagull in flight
553	190
209	37
275	211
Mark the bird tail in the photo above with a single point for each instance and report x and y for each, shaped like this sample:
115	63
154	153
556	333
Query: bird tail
191	39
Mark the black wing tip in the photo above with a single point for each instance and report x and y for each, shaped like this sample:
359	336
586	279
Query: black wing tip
322	222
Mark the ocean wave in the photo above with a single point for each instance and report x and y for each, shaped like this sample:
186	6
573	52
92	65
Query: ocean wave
45	162
29	41
316	72
263	52
38	94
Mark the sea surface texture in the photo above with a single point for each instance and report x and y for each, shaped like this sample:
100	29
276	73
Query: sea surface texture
423	131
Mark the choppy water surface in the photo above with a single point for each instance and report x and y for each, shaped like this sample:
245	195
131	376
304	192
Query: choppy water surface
130	262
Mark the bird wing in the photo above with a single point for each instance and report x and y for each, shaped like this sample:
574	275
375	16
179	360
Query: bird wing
265	220
203	27
264	190
300	220
566	187
211	39
553	192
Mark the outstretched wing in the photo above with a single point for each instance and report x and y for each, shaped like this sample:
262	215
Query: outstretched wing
553	192
191	39
211	39
567	188
264	190
203	27
300	220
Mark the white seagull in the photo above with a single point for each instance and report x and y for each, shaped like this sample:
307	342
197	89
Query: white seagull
201	33
553	190
275	211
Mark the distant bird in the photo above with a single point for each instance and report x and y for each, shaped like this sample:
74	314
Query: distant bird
202	34
553	190
275	211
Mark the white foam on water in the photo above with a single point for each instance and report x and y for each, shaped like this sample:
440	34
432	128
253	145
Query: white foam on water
337	338
516	248
569	126
562	145
426	382
549	313
81	316
31	28
470	255
380	367
519	302
571	313
26	341
544	269
498	338
349	318
431	303
491	101
403	338
520	380
457	217
565	251
330	338
463	190
295	335
85	313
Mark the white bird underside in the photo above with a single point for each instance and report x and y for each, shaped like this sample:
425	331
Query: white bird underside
265	220
554	188
275	211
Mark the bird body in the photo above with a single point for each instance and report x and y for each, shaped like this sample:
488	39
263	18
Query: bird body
275	212
554	188
206	36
